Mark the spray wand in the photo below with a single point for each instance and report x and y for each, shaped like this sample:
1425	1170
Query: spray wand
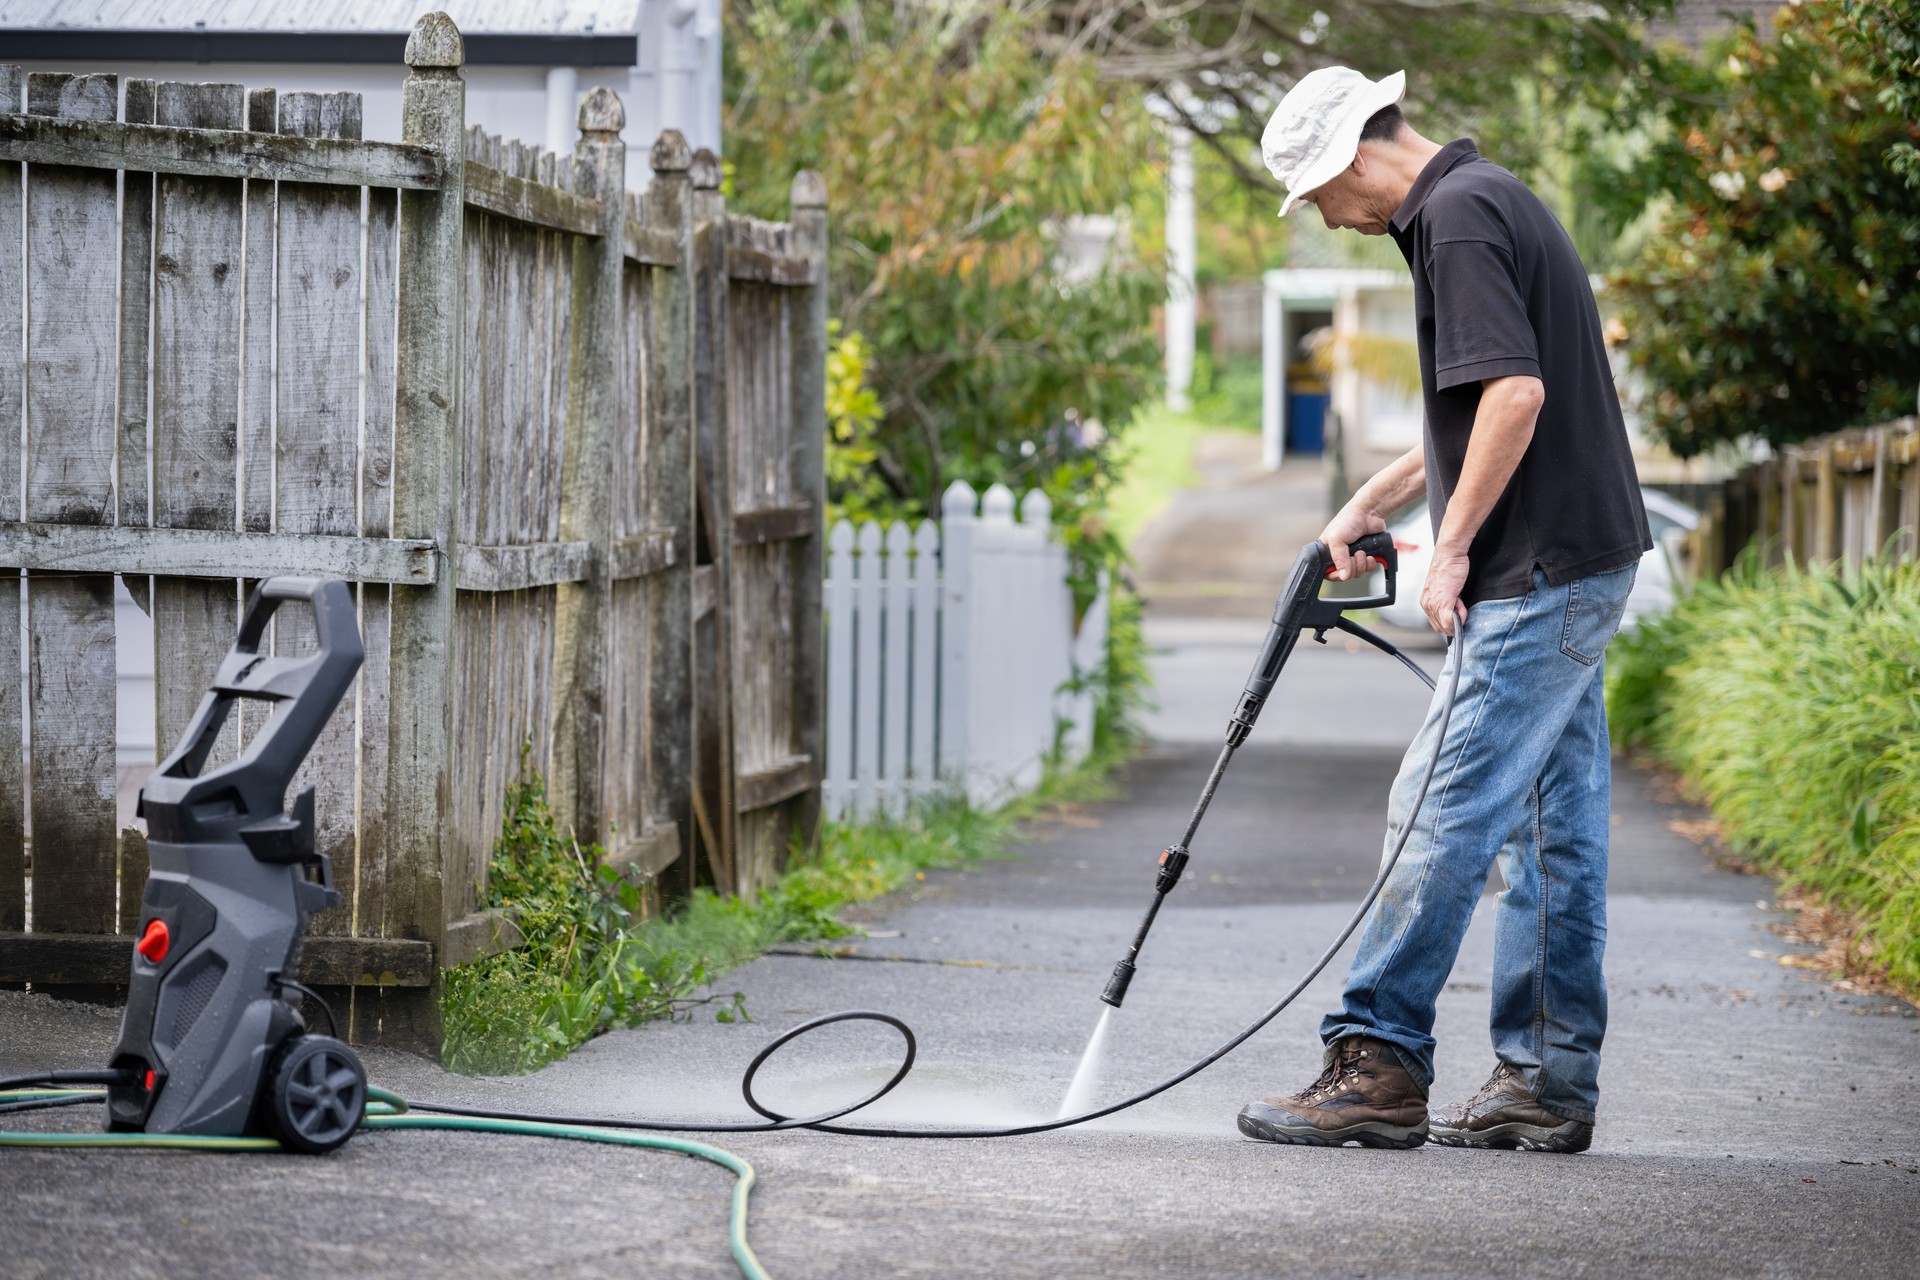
1300	608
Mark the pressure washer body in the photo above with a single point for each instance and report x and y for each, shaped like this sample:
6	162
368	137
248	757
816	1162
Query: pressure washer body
1300	608
213	1040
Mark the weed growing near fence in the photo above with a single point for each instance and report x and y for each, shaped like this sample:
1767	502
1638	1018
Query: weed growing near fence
594	961
1791	700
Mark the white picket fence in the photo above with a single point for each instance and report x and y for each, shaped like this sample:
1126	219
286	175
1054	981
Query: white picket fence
949	651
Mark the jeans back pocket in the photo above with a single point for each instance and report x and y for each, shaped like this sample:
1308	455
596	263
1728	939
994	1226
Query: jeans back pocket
1594	606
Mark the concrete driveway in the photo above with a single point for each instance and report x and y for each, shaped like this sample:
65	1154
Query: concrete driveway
1756	1121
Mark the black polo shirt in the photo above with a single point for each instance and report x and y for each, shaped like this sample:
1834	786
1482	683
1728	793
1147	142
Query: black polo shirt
1499	290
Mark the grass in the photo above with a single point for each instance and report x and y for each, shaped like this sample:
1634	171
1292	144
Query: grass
1161	442
593	960
1159	464
1790	701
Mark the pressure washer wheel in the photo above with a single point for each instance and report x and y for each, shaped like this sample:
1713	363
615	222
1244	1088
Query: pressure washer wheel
317	1094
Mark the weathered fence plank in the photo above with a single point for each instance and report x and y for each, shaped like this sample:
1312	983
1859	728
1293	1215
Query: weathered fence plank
714	778
869	683
510	195
136	311
198	256
427	393
13	811
807	444
13	865
213	553
257	334
376	521
670	447
316	431
72	347
190	151
582	779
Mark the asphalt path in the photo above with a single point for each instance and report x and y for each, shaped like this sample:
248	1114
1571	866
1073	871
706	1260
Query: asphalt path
1755	1120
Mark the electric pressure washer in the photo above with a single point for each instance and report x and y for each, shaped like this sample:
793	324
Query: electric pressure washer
213	1050
213	1041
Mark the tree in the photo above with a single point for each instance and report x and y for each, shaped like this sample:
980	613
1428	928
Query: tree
956	149
1480	66
1776	295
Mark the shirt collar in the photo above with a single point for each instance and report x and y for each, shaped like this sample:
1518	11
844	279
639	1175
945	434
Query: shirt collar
1445	160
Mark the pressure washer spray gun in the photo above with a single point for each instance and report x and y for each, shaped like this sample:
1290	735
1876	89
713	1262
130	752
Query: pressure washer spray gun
1300	608
212	1041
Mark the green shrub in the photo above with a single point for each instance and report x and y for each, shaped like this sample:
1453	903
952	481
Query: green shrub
593	960
1791	699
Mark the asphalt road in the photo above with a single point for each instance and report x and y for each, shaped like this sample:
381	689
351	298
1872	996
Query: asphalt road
1756	1122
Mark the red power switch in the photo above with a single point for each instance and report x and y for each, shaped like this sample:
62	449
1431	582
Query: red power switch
153	943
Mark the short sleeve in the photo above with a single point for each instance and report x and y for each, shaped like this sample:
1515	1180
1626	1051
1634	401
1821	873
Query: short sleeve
1481	327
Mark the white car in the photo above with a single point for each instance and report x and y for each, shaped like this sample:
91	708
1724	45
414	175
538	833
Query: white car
1653	587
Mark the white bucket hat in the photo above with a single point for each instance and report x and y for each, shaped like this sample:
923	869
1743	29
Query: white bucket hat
1315	131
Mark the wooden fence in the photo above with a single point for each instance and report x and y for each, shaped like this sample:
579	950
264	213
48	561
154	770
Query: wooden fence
565	440
1841	498
955	664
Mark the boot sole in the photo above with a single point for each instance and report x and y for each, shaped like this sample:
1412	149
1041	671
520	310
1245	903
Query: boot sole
1568	1139
1256	1124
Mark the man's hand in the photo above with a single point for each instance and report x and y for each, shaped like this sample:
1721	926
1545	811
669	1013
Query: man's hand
1345	529
1391	488
1440	594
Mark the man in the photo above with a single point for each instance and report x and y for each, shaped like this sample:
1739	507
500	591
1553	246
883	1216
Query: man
1538	527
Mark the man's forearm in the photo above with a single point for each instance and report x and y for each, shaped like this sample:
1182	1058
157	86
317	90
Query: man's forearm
1394	485
1502	429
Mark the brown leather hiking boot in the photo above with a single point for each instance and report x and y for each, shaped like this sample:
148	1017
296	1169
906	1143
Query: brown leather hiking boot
1506	1114
1364	1095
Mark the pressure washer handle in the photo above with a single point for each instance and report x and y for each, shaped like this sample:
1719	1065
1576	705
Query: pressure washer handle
1380	547
1302	608
185	801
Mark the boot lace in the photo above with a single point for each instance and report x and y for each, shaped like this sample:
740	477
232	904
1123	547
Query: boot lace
1492	1088
1346	1064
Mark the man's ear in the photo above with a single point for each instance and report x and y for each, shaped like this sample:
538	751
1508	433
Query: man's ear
1359	165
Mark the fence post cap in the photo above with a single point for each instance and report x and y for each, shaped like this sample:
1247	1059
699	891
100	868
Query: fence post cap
998	505
1036	507
809	190
704	170
601	112
958	501
670	153
435	42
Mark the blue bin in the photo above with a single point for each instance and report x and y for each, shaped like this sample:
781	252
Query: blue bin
1306	422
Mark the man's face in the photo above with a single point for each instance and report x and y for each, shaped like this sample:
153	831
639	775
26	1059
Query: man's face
1347	201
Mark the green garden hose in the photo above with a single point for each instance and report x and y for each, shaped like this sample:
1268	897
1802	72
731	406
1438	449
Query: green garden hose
388	1110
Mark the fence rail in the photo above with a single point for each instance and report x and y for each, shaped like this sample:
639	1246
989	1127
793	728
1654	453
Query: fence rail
955	664
1843	498
525	412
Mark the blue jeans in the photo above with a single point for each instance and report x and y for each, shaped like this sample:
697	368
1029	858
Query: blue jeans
1524	778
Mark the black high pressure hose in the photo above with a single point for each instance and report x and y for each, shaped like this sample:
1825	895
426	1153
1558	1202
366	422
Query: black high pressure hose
1275	655
824	1122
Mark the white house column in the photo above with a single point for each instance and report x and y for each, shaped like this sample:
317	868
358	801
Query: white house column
1273	374
563	109
680	68
1182	259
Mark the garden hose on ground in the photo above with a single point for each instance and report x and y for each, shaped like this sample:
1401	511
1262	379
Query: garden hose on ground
386	1110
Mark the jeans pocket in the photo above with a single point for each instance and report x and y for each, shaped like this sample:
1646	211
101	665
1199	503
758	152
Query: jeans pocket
1594	606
